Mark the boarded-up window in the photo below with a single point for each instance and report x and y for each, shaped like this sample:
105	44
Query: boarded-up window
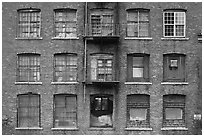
174	110
138	67
174	67
102	67
65	113
65	67
138	111
138	23
101	111
29	110
65	23
28	67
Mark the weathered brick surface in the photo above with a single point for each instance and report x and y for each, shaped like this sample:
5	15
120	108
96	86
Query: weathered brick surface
156	47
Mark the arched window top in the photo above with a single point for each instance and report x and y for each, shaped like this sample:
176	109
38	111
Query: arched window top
101	11
29	10
65	9
139	54
137	9
29	94
174	98
174	54
65	94
175	10
138	98
102	54
65	54
28	54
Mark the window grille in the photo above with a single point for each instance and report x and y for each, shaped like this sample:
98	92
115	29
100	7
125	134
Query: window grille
29	23
65	23
174	24
138	111
138	23
65	67
65	111
28	110
28	68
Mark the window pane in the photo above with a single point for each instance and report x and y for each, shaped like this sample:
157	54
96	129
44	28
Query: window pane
169	30
179	17
133	16
137	72
169	18
132	29
143	16
179	30
174	113
144	29
138	114
138	61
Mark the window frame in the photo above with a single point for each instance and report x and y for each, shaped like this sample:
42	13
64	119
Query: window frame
146	72
29	94
174	24
174	105
94	70
102	13
138	12
138	105
108	111
65	56
65	96
29	66
65	10
180	69
28	11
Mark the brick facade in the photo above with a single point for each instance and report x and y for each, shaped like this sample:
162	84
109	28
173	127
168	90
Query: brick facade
119	46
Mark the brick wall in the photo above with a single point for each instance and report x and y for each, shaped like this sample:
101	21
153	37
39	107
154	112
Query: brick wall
156	47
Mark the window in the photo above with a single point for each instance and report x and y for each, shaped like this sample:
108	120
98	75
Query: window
174	110
174	22
28	67
138	23
65	110
174	67
65	23
102	67
65	67
138	111
101	111
29	23
102	23
138	67
28	110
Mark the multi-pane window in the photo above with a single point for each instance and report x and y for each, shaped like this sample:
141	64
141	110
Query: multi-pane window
101	111
65	23
102	67
102	23
138	23
65	110
138	111
174	67
28	67
28	110
138	67
29	23
174	110
65	67
174	23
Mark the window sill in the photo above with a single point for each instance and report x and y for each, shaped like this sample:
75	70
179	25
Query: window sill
28	83
136	129
138	38
101	129
199	39
173	128
39	38
72	129
64	83
138	83
174	83
168	38
29	128
68	38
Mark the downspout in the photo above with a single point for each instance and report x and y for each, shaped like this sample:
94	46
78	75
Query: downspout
85	46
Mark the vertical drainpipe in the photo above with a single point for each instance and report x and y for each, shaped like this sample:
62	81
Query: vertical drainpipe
85	45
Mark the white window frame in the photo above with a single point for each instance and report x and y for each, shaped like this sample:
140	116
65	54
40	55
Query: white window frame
174	23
